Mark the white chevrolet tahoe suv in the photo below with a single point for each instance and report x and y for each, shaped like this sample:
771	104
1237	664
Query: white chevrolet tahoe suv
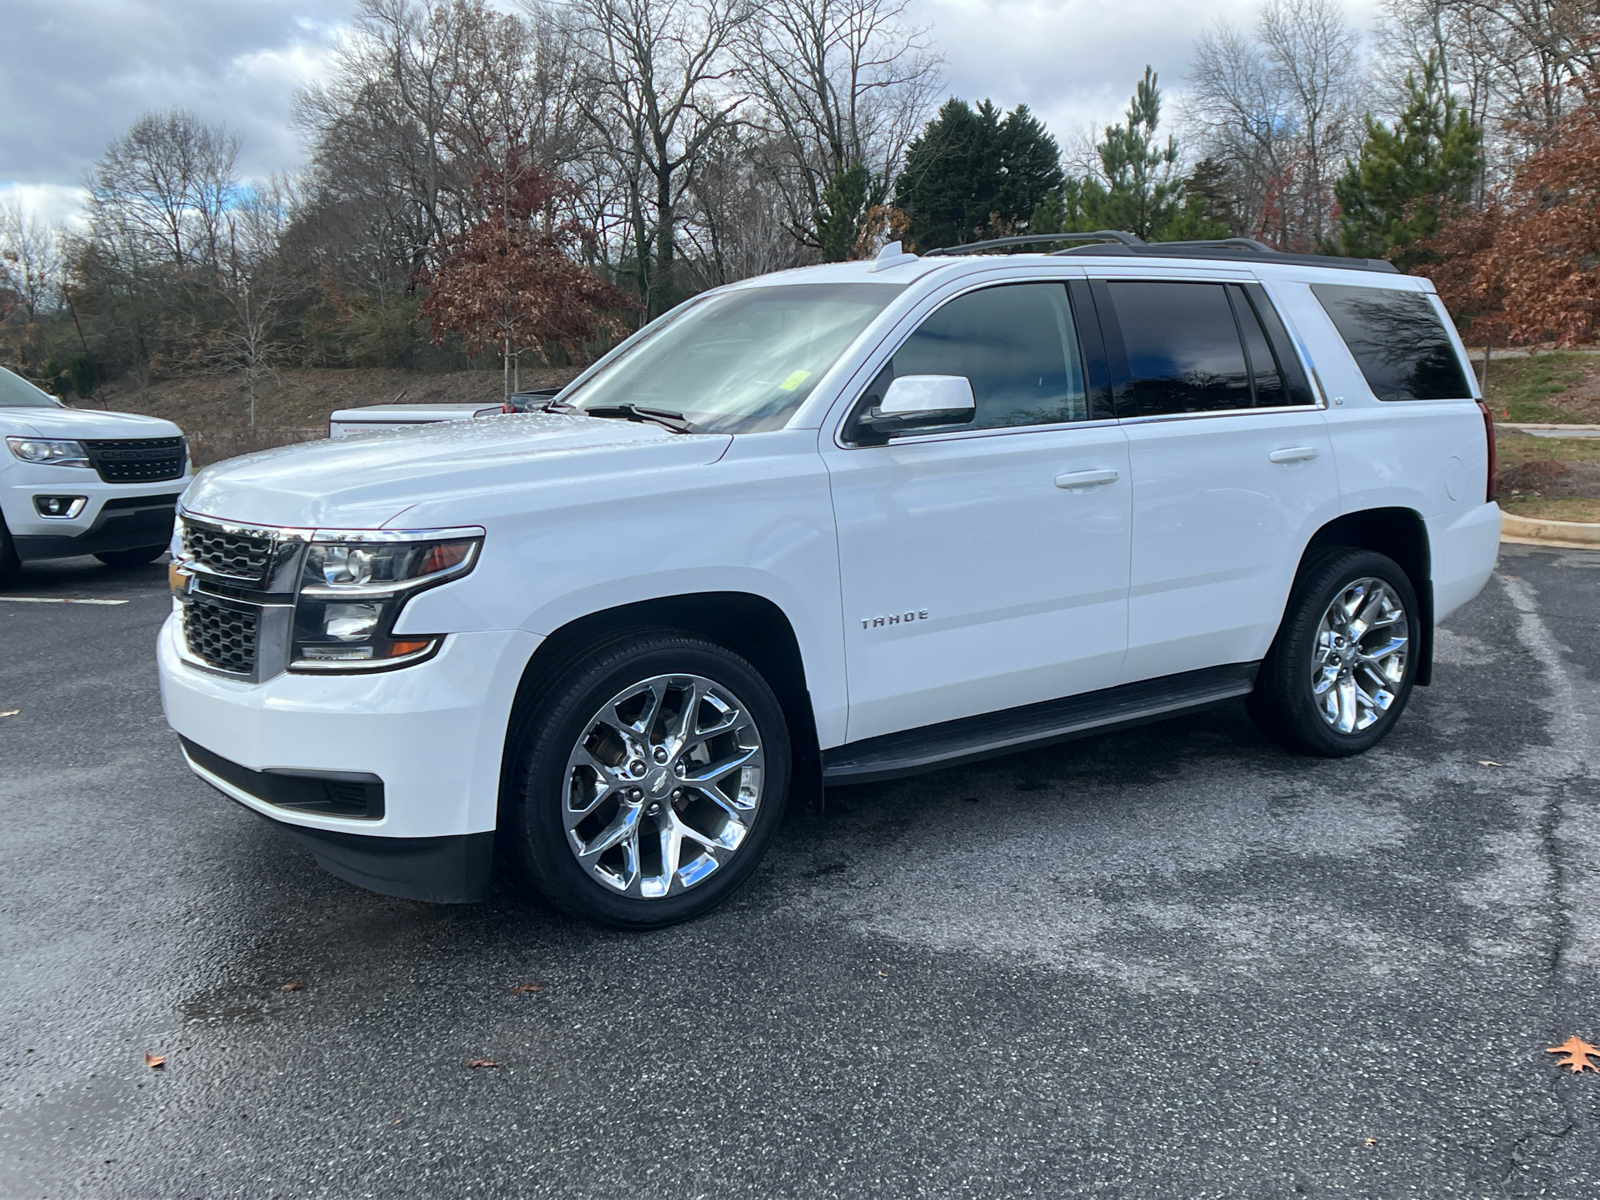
835	525
74	481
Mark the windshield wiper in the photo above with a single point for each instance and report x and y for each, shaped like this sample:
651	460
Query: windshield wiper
632	412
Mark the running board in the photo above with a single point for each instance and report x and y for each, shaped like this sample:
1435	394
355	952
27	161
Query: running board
990	734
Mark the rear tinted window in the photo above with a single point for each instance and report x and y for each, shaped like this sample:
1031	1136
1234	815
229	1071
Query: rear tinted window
1398	341
1184	353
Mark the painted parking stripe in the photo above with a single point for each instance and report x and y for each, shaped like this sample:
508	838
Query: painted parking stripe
54	600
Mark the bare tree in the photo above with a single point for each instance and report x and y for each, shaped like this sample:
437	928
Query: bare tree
661	72
255	281
842	84
168	181
1278	110
30	262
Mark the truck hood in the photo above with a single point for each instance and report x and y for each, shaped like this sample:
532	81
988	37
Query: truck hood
82	423
367	482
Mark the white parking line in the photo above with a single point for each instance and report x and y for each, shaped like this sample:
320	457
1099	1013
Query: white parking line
55	600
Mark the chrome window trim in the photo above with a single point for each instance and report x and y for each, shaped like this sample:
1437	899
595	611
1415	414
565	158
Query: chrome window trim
1222	412
953	435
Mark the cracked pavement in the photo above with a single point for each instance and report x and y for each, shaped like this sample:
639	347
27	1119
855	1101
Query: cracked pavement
1175	961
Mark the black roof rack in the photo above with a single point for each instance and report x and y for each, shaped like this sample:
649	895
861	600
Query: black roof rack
1127	244
1025	239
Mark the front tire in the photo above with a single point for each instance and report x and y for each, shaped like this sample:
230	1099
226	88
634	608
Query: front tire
10	564
648	780
1342	667
124	559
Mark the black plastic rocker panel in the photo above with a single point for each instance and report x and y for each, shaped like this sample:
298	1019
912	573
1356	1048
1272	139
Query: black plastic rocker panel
988	735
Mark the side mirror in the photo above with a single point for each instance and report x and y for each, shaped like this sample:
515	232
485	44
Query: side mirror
916	402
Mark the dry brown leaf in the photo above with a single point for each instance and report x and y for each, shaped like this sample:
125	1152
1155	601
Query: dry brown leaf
482	1062
1576	1054
294	985
154	1061
524	989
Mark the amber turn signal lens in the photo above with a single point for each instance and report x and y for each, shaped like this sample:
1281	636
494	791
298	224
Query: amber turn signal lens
444	556
177	581
397	649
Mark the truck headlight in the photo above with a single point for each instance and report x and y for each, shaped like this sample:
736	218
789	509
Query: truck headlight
55	452
351	592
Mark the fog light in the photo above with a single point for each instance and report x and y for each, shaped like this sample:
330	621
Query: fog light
59	506
351	622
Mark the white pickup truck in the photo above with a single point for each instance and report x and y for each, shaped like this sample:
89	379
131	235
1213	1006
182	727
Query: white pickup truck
75	481
838	524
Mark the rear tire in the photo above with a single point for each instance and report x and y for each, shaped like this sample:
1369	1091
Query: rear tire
123	559
624	810
1341	669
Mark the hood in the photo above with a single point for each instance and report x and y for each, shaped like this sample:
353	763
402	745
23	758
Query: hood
83	423
366	482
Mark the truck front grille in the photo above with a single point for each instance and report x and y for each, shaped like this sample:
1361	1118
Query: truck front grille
137	460
239	556
222	633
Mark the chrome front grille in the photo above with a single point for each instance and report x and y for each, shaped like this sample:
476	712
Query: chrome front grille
236	555
222	633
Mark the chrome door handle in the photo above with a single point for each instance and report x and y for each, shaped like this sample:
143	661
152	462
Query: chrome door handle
1085	479
1294	454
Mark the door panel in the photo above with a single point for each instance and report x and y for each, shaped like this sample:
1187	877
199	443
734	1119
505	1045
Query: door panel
1218	528
972	581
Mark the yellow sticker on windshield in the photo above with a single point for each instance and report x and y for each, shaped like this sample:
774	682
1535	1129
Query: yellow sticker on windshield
794	381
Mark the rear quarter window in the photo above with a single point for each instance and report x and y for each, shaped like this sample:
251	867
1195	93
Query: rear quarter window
1398	341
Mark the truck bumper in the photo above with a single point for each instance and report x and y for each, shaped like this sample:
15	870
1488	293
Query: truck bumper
391	779
1463	548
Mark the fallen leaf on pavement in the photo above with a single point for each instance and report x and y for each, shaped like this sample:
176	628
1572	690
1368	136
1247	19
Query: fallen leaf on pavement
294	985
10	712
1576	1054
1489	762
154	1061
1372	1141
524	989
482	1062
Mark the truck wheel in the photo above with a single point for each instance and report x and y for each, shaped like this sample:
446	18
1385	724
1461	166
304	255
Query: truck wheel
122	559
649	780
1341	668
10	564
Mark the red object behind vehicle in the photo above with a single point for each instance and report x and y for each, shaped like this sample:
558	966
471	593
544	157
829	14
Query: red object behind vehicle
1490	491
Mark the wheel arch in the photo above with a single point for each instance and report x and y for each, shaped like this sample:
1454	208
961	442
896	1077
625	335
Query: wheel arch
751	626
1400	534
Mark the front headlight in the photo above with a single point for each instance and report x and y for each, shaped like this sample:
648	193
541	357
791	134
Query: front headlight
55	452
351	592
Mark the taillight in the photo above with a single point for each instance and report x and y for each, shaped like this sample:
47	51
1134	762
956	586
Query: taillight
1489	491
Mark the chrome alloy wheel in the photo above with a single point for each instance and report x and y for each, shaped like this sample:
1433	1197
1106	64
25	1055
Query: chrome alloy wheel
663	786
1359	660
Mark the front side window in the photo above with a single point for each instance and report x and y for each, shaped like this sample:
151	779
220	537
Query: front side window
1398	341
17	392
1183	347
741	361
1018	347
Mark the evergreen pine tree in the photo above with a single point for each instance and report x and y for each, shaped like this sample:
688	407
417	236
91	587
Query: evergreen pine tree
976	173
1409	174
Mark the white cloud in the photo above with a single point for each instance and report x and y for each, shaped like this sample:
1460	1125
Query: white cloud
53	203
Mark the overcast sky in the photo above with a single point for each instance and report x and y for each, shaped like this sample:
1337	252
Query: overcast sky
77	72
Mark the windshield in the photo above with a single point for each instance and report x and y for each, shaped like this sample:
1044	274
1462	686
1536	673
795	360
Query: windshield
17	392
741	361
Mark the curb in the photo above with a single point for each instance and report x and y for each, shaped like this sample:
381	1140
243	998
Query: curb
1581	535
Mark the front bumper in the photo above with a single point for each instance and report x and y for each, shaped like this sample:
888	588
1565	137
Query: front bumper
432	733
116	516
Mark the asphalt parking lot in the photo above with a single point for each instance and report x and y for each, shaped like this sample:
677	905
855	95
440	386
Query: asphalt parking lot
1175	962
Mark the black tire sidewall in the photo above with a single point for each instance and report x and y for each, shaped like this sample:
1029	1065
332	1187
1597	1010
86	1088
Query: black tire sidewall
10	564
539	776
1282	703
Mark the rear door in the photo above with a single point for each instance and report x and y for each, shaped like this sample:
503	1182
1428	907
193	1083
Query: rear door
1231	463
